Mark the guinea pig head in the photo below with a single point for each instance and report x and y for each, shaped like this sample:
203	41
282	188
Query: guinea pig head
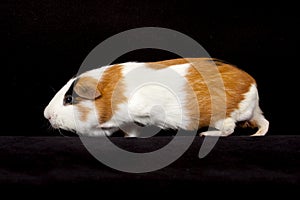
71	108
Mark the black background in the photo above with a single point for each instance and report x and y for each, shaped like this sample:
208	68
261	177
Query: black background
45	42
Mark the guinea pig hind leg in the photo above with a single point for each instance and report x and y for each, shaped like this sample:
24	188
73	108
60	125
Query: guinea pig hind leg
224	128
261	123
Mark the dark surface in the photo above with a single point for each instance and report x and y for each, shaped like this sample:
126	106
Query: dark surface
46	41
61	162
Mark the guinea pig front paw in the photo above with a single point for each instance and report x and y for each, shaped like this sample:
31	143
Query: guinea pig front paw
211	133
107	125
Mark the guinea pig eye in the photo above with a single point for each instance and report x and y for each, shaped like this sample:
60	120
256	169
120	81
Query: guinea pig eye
68	99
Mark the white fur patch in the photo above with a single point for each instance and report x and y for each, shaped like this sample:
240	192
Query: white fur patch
247	105
61	116
155	97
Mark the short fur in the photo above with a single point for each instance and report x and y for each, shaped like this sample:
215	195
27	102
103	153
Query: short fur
181	93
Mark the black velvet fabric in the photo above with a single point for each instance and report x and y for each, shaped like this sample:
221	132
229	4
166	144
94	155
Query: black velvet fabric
237	161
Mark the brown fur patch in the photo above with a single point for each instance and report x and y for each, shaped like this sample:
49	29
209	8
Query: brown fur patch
84	111
111	87
247	124
206	81
166	63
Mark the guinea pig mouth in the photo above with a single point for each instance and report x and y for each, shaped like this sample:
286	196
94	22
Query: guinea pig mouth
55	126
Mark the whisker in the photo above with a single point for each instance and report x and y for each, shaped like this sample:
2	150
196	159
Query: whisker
52	88
60	132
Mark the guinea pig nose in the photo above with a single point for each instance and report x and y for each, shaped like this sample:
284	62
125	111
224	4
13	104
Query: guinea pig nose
47	115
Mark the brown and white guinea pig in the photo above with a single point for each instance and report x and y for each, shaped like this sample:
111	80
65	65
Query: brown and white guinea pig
181	93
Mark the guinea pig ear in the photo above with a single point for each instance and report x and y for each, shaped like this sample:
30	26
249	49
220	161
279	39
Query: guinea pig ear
86	87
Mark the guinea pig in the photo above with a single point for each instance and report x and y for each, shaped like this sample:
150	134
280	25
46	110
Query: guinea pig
183	93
